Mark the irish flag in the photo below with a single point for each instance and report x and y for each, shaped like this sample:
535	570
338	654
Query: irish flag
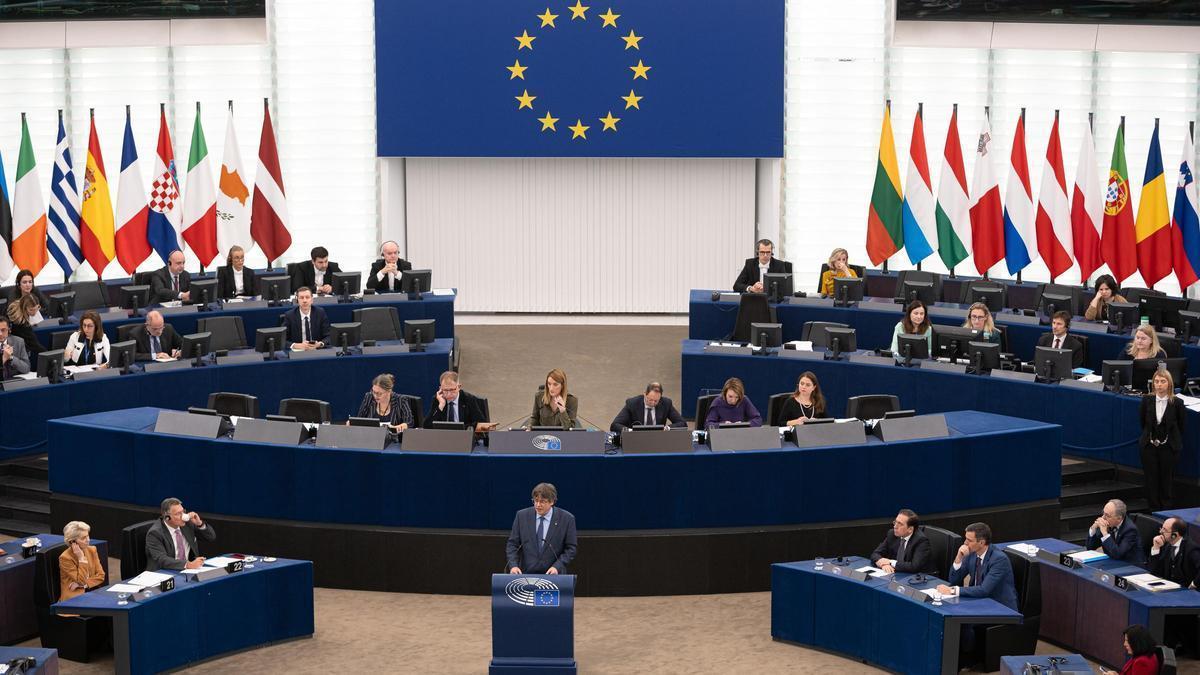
885	225
96	216
29	211
200	200
1154	219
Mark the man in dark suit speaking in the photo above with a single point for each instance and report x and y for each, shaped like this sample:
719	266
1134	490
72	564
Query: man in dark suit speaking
171	542
543	539
751	277
905	548
650	409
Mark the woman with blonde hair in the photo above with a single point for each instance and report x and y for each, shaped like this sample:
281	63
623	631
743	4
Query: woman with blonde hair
1144	344
979	318
839	268
79	566
553	406
20	314
1162	416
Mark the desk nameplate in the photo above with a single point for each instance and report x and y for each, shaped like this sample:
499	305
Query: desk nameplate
947	312
1018	318
178	364
325	300
752	438
243	305
1080	384
872	359
96	374
246	357
385	349
825	435
1089	327
380	298
181	309
939	366
813	301
911	428
312	354
802	354
1014	375
726	349
13	385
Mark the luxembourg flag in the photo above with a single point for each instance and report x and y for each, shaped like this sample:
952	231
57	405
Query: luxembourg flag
162	225
132	212
1020	235
1185	223
1087	209
1053	215
919	214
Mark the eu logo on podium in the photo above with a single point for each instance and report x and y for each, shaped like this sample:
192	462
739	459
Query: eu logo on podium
545	598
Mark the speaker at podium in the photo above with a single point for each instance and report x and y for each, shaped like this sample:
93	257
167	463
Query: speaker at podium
533	624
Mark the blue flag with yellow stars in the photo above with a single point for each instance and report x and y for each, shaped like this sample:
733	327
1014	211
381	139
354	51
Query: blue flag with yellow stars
544	78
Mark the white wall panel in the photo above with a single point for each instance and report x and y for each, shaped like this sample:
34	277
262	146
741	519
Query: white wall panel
579	235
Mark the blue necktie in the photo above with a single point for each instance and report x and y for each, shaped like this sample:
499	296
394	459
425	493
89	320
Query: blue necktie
154	346
541	533
454	412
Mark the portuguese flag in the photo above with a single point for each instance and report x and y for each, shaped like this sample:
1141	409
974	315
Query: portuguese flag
885	227
1118	241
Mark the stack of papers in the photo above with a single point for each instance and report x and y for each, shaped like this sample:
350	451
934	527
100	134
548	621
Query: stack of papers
80	369
801	345
218	562
1149	582
143	580
443	291
1027	549
1086	557
1189	402
872	571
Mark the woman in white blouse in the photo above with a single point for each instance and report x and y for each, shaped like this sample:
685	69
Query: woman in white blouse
88	345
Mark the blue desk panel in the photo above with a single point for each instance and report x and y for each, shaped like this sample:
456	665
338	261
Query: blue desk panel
1015	665
202	619
605	492
18	617
1096	424
47	659
341	380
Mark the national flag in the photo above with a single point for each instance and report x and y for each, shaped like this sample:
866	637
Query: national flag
1153	219
1118	243
1185	221
987	216
6	261
233	195
1020	235
1087	209
920	221
162	223
269	214
62	237
29	214
96	216
1053	221
132	245
953	202
885	228
200	201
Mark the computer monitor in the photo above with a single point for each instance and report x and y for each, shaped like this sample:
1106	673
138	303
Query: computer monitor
766	334
343	335
62	305
1123	315
134	297
275	289
1052	364
910	347
270	340
991	295
778	285
363	422
951	341
1162	310
1189	326
1116	374
196	345
984	356
918	290
202	292
840	340
415	282
1056	302
50	365
457	426
847	290
290	418
1143	371
347	284
896	414
121	355
419	332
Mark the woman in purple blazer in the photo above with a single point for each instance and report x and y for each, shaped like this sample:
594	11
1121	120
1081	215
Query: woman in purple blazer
732	406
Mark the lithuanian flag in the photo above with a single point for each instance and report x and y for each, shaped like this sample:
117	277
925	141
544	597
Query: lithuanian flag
885	227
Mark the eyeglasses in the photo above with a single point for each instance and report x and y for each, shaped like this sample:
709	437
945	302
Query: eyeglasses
900	523
539	500
449	391
981	317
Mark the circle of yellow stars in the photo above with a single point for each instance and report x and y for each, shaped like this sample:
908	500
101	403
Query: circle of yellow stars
579	129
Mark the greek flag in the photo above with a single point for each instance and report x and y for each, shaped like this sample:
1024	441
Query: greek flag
62	237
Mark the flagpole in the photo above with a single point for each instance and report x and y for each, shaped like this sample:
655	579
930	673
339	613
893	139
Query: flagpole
987	113
887	104
1092	128
1019	282
267	110
953	116
920	109
1053	276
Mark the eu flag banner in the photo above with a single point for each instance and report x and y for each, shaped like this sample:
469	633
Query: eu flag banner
543	78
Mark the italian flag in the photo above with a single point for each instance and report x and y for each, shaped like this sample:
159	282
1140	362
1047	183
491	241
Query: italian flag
200	200
29	211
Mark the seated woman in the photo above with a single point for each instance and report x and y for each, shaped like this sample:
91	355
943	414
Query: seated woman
88	345
553	406
79	566
732	406
1145	344
1106	292
806	403
23	287
839	268
1142	651
19	314
385	405
234	279
915	322
979	318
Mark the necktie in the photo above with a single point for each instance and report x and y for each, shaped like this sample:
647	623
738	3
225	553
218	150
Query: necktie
900	553
649	416
175	283
307	330
1058	343
180	547
453	411
8	363
154	346
975	580
541	533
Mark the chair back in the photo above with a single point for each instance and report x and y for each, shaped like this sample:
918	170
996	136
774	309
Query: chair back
1135	295
483	405
46	577
1167	664
228	332
1147	526
774	407
378	323
753	308
59	338
943	546
88	294
125	332
1074	292
702	405
291	274
918	275
416	406
1169	343
142	278
233	403
1028	582
1083	340
814	331
871	406
307	410
133	548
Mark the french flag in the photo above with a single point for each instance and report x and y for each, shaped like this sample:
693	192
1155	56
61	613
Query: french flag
132	212
162	225
1185	221
1020	234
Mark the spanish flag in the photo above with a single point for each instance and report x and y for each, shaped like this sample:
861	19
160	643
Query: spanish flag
96	216
885	226
1153	227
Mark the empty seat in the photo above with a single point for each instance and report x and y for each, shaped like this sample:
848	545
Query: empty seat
918	275
774	407
307	410
814	331
233	404
228	332
871	406
133	548
943	547
753	308
89	294
702	405
379	323
1169	343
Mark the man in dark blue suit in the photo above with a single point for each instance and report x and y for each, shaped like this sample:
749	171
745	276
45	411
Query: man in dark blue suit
979	571
543	539
307	324
652	409
1113	534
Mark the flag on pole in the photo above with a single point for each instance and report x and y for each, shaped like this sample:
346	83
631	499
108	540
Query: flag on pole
953	203
96	216
132	245
987	217
885	228
1087	209
269	214
6	261
1020	235
233	195
1185	221
1053	221
62	238
1118	245
29	214
920	221
200	202
1154	219
162	223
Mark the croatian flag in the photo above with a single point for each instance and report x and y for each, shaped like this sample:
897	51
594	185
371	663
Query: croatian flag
1020	234
162	226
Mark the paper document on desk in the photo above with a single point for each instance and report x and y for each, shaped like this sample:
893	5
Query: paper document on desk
172	303
443	291
843	420
1149	582
148	579
80	369
1091	377
1190	402
802	345
218	562
1086	557
1027	549
26	376
123	588
872	571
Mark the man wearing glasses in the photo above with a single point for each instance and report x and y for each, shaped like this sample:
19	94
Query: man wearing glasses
543	539
750	280
905	548
452	404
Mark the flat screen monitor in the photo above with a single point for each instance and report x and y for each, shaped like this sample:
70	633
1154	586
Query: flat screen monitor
343	335
918	290
1052	364
1117	373
896	414
363	422
275	289
284	418
847	290
347	283
984	356
454	426
270	340
415	282
202	291
122	354
778	285
134	297
840	339
912	347
951	341
1189	326
733	425
62	305
50	365
196	345
766	334
419	331
991	295
1123	315
1056	302
1162	310
1143	371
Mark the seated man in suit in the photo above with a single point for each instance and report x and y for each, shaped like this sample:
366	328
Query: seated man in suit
452	404
1113	534
905	548
980	571
751	278
13	353
650	409
307	324
171	542
543	539
1058	338
172	281
1173	557
317	272
156	339
384	276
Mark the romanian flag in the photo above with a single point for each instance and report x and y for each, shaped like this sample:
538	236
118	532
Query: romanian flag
1117	243
885	227
96	216
1154	219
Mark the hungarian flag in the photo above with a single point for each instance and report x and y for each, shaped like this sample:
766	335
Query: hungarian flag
1020	237
953	203
269	214
132	245
162	223
6	261
920	222
1087	209
96	215
233	196
987	216
29	211
1053	215
200	201
1185	221
1118	244
1154	219
885	229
